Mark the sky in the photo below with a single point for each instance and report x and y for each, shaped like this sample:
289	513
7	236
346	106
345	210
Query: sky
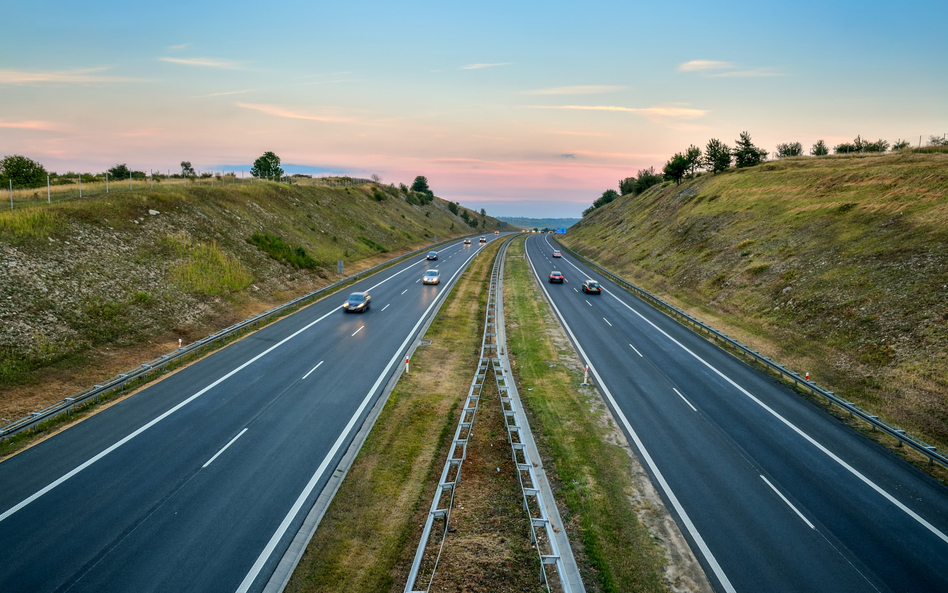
519	108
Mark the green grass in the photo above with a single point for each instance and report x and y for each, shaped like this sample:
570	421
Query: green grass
595	475
836	266
210	271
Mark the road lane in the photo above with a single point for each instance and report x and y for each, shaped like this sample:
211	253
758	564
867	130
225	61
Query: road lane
148	515
737	426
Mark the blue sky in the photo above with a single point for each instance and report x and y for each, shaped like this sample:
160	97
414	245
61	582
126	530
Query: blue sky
520	108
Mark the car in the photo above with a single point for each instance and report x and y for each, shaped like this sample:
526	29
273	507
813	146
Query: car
431	277
591	287
556	276
483	240
432	255
496	232
358	302
556	253
467	241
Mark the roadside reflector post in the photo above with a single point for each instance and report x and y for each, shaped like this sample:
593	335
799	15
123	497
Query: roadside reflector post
406	366
586	375
808	376
179	343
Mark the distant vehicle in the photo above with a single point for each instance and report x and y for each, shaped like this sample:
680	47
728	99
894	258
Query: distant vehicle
432	255
556	276
467	241
496	232
358	302
483	240
556	253
431	277
591	287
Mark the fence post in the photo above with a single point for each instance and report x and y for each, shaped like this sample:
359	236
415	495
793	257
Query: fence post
11	193
48	201
106	182
80	185
129	179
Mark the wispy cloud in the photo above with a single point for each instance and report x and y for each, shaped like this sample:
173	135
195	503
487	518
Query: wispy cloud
226	93
278	111
575	90
731	69
695	65
182	46
674	112
570	133
82	75
208	62
568	156
746	73
30	125
479	66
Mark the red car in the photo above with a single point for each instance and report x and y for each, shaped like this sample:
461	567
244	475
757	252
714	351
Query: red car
556	276
591	287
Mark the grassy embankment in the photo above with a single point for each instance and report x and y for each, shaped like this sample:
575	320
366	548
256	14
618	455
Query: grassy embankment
834	266
93	287
368	536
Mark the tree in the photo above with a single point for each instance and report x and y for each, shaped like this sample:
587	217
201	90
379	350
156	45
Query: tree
746	154
627	186
119	172
474	223
717	156
453	207
789	149
936	141
900	145
375	178
675	168
483	212
819	149
187	170
646	179
693	157
268	166
607	196
24	172
420	185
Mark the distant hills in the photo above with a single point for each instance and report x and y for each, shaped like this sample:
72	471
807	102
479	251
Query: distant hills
539	223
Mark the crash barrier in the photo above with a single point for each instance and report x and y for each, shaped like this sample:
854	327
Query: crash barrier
801	382
546	528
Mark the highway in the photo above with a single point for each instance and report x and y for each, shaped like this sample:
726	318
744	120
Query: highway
772	492
199	481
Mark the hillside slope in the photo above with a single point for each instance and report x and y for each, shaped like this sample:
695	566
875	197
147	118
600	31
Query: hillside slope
834	266
94	287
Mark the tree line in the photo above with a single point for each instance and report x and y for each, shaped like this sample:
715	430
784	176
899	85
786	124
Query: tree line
718	157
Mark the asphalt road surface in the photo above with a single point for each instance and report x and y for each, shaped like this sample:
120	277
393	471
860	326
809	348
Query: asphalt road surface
772	492
200	481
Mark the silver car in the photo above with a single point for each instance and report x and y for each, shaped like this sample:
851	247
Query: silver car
432	277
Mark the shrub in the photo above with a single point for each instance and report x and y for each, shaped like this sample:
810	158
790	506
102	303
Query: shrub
819	149
789	149
373	244
281	251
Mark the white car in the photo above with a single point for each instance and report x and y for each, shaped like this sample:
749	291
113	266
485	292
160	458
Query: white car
556	253
432	277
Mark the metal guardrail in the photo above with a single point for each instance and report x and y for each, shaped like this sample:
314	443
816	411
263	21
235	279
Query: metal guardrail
157	365
493	357
920	446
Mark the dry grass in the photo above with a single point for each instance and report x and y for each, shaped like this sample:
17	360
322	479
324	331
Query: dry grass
838	267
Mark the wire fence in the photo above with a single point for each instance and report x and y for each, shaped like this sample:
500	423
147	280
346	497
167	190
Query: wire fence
61	188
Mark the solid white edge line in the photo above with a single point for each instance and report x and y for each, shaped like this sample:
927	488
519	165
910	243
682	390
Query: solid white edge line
789	504
358	330
684	399
636	350
12	510
685	519
938	533
313	369
311	485
211	460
